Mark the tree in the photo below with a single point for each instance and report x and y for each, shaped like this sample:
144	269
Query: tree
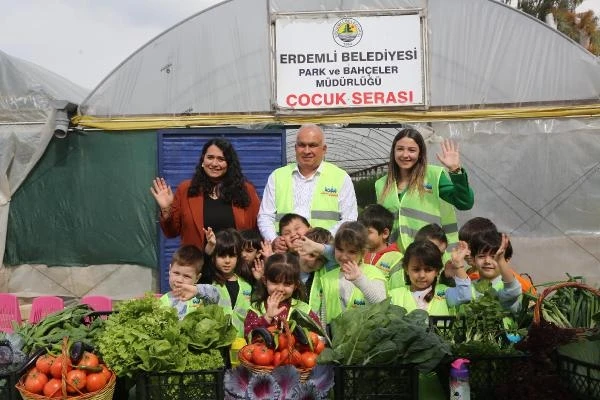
581	27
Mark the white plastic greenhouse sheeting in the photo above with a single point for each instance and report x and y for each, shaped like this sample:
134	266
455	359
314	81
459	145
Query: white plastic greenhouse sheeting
29	95
480	52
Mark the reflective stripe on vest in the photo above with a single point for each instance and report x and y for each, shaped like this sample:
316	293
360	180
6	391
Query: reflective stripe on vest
403	297
415	211
325	210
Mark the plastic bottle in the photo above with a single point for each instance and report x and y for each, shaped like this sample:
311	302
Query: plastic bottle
459	380
236	345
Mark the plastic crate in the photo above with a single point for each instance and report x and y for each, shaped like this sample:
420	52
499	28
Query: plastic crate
580	377
8	391
486	373
376	382
448	327
197	385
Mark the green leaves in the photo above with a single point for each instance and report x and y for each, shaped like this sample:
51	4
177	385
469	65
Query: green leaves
384	334
146	336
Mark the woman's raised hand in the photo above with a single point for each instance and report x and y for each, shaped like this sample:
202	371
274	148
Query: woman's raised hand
449	156
162	193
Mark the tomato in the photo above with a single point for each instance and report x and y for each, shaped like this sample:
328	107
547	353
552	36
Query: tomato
291	340
276	358
106	372
282	341
246	352
262	356
314	338
309	359
44	362
293	357
320	347
95	381
35	381
296	358
75	381
88	360
53	388
56	368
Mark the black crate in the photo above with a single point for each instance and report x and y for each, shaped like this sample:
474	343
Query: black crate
8	391
376	382
580	377
448	327
486	373
197	385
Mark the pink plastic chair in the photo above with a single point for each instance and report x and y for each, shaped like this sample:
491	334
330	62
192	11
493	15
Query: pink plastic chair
9	312
43	306
97	303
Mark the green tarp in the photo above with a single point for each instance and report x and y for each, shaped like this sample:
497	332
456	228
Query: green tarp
87	202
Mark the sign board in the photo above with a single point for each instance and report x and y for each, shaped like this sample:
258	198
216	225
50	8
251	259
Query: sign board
348	62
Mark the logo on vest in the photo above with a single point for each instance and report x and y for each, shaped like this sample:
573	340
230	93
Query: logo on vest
359	302
384	265
330	191
246	292
427	186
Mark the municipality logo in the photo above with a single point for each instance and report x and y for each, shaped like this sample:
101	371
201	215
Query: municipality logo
347	32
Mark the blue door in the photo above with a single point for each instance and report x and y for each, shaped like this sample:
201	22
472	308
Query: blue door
259	151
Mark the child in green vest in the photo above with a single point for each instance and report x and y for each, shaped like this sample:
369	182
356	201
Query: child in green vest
478	226
312	263
253	249
291	228
422	265
185	269
277	293
379	222
487	254
229	290
352	283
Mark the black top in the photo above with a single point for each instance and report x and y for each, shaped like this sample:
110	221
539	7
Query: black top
233	287
218	214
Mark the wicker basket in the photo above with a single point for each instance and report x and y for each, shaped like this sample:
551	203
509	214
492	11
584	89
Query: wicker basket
578	333
264	369
106	393
267	369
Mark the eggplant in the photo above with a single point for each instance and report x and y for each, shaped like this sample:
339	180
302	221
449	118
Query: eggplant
300	335
265	335
76	352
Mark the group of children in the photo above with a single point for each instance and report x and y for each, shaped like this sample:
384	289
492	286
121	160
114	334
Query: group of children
324	275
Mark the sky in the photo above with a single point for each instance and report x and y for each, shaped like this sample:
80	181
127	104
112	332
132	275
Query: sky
84	40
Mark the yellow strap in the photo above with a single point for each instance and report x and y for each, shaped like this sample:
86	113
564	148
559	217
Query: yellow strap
167	121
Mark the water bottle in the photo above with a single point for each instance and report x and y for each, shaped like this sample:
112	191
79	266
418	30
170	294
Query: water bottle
459	380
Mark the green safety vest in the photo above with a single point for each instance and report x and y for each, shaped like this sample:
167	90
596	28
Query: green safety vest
190	305
415	211
295	305
396	279
242	304
325	210
330	287
389	261
437	306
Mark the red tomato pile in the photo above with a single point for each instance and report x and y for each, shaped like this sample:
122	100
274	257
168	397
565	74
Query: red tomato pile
87	376
287	351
